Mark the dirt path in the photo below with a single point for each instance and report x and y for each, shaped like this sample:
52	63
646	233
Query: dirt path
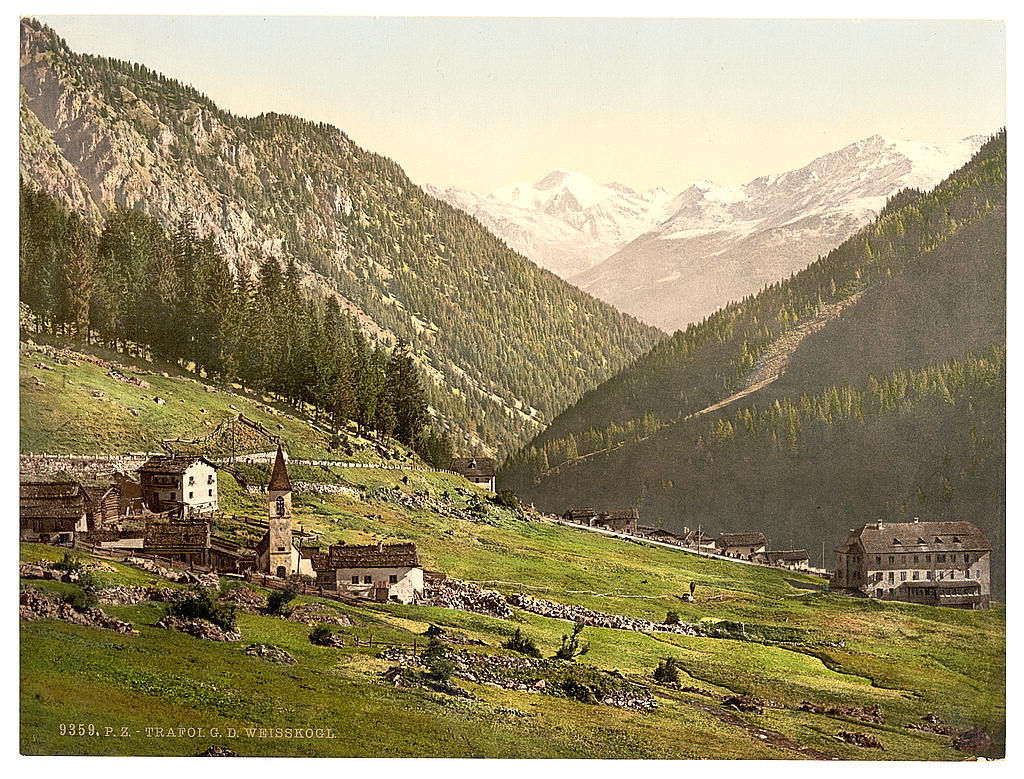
772	737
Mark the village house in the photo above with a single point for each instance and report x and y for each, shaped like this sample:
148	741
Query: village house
742	545
477	470
796	559
699	540
936	563
581	515
619	520
186	485
188	542
276	553
383	572
53	512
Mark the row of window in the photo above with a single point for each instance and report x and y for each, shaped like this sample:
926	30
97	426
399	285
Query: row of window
192	480
939	558
916	575
191	495
392	579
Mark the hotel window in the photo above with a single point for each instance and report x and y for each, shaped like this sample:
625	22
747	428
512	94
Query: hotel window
355	580
878	559
367	580
915	559
917	575
967	558
927	558
940	558
891	559
903	576
928	574
890	577
967	574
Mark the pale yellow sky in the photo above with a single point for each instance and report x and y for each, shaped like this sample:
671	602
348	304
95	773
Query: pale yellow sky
477	102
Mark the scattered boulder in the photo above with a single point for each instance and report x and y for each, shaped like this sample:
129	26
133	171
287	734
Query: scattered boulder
744	703
245	599
43	604
975	741
272	653
872	714
200	628
218	751
129	596
865	740
317	613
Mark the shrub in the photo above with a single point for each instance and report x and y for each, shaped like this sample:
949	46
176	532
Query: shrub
667	671
433	630
572	646
201	604
508	499
68	563
90	582
672	618
517	642
80	600
319	634
439	665
278	600
587	685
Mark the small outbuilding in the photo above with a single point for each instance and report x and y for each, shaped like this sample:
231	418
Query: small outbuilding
477	470
53	512
381	572
743	545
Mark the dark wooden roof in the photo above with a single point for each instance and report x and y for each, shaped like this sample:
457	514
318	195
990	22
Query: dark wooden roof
176	535
742	539
474	466
55	500
957	535
279	478
620	514
172	465
579	512
368	556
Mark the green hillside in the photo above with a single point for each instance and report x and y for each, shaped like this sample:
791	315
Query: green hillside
891	406
790	641
506	344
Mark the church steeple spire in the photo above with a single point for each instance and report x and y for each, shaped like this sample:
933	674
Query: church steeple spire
279	478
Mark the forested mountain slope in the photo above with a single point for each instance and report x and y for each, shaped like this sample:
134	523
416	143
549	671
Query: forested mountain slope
894	409
507	345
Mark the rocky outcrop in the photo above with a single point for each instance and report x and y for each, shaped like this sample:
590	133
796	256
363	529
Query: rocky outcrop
318	613
42	604
129	596
865	740
593	618
455	594
271	653
872	714
245	599
200	628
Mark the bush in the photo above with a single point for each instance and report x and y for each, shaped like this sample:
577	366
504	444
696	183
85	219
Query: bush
667	671
90	582
524	645
508	499
278	600
201	604
80	600
433	630
587	685
572	646
68	563
672	618
320	634
439	665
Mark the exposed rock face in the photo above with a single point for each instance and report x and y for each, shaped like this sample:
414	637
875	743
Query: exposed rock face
975	741
42	604
317	613
455	594
865	740
872	714
271	653
129	596
208	580
245	599
200	628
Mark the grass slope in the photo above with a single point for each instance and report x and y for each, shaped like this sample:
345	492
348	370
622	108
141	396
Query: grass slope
909	660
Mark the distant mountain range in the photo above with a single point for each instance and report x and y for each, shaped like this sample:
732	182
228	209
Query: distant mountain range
673	260
869	385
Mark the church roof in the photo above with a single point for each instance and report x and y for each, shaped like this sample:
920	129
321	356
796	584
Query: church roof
279	478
